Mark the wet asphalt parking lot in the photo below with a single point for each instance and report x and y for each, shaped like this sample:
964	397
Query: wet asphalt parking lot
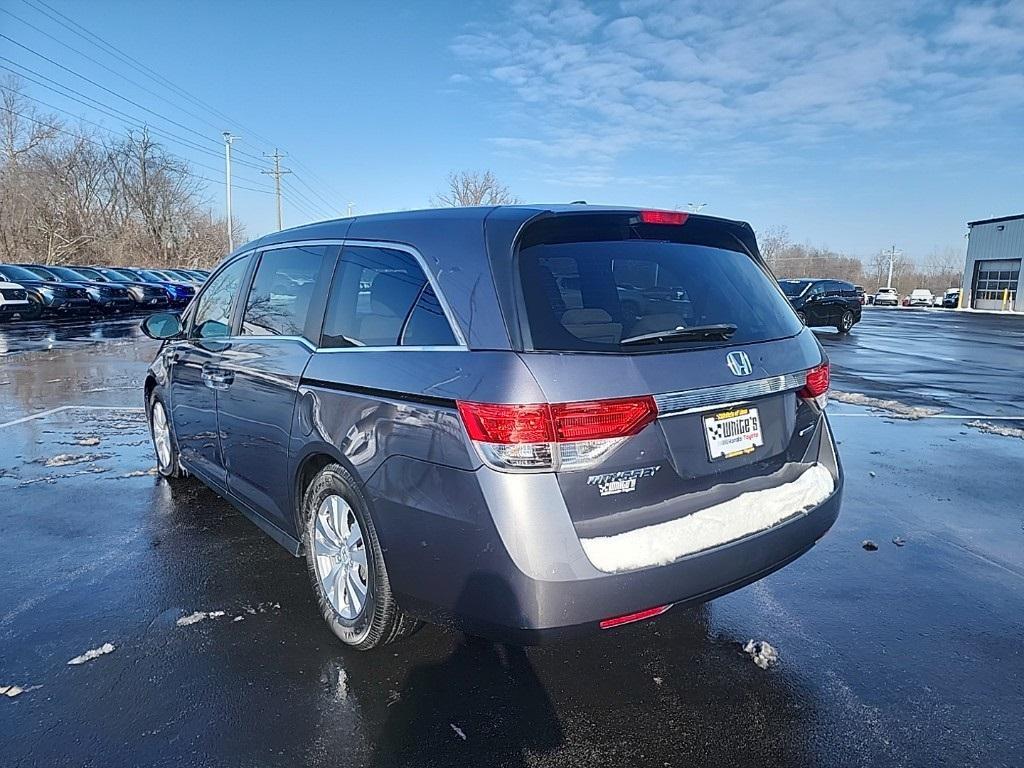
908	655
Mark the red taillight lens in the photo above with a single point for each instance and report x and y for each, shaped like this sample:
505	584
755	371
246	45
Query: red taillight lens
817	381
507	424
675	218
602	419
557	423
629	618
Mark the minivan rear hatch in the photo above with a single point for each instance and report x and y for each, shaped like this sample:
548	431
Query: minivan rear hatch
680	309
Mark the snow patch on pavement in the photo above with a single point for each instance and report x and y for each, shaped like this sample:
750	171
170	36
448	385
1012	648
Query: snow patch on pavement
748	513
995	429
763	654
68	459
893	407
95	653
195	618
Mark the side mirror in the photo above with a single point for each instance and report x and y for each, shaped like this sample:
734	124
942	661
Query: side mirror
162	325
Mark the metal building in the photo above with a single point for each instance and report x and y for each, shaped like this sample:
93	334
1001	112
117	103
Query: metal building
992	275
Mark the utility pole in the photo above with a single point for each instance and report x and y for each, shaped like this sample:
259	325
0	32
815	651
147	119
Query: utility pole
276	173
228	139
351	207
696	207
892	253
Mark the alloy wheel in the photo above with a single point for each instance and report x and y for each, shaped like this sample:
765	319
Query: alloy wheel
340	555
161	435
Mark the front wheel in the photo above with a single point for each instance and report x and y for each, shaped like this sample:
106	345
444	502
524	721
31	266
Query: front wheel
345	563
845	322
164	443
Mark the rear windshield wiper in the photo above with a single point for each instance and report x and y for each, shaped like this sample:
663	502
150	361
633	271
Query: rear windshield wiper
693	333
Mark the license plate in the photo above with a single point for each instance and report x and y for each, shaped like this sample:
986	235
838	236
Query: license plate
733	433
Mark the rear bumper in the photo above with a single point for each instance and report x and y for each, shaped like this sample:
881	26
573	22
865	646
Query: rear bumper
508	564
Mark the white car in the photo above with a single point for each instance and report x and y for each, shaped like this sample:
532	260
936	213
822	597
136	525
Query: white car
13	301
921	297
887	296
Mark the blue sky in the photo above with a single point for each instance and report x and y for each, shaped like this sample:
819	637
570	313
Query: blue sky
854	124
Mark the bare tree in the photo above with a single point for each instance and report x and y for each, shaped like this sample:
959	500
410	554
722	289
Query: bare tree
22	126
473	188
70	196
772	243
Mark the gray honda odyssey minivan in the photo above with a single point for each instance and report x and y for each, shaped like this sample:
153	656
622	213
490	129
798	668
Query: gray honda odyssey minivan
521	421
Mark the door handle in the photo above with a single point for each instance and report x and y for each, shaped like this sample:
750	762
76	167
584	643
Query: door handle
216	378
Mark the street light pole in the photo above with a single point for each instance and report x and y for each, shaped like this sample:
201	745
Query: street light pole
893	253
228	139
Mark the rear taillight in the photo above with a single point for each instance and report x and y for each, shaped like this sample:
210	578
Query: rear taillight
675	218
544	437
816	387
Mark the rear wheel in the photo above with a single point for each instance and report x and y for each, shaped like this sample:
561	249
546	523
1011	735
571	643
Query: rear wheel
845	322
346	566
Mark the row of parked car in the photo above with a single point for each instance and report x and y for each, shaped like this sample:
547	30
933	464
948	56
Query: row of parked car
31	291
919	297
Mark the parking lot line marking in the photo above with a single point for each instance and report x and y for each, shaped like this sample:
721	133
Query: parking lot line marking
44	414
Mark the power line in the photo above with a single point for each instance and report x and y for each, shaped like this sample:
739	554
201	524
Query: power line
329	206
109	131
276	172
99	63
296	202
93	39
44	8
108	90
106	148
317	209
104	108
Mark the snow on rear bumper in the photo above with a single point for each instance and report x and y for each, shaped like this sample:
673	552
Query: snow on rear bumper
745	515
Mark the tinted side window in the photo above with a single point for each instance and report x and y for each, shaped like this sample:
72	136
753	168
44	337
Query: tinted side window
373	292
817	289
212	318
427	325
278	302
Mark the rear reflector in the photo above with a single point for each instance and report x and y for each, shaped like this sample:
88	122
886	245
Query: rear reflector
675	218
629	618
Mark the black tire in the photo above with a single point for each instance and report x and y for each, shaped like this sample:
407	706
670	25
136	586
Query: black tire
171	469
845	322
380	621
803	317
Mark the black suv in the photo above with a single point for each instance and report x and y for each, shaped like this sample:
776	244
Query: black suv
823	302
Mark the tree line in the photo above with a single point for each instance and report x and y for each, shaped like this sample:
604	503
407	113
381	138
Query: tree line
938	271
73	196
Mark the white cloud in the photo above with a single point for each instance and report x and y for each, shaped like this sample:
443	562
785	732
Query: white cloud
598	82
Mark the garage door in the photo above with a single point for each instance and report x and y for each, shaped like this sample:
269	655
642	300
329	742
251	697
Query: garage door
992	279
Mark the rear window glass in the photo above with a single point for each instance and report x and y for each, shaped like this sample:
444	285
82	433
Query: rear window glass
606	296
794	288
